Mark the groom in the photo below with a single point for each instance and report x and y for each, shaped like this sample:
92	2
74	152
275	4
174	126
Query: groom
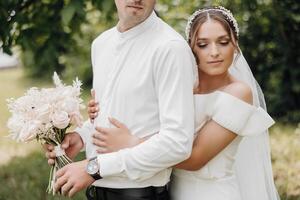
143	76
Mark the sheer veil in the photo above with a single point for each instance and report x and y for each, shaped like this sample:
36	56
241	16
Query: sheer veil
253	160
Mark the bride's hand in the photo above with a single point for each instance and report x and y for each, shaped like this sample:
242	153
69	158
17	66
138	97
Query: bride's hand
93	107
114	139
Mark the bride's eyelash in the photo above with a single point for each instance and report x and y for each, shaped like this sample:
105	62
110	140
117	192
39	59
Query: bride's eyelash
202	45
224	42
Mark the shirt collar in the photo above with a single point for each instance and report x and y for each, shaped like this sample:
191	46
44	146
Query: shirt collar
140	28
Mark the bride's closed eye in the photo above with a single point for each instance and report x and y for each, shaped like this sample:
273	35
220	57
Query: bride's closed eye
224	42
201	45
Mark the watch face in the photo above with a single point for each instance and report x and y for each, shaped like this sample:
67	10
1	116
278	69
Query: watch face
92	167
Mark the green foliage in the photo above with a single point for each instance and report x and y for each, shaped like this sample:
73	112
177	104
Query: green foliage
46	31
57	34
269	40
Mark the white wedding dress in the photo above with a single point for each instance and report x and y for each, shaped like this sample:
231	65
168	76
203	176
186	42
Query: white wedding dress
217	179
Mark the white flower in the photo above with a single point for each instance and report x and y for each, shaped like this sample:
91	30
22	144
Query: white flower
43	113
70	105
60	119
35	113
15	125
57	81
29	131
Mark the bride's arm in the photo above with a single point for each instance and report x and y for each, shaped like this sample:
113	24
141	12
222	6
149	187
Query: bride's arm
213	138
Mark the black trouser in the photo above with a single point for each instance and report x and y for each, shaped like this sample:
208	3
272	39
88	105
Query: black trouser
148	193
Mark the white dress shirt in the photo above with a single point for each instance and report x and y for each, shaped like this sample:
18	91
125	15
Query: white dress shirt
144	78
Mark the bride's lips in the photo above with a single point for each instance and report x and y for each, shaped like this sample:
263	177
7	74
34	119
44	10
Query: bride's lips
215	62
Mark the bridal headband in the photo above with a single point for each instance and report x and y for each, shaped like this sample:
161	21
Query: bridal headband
228	15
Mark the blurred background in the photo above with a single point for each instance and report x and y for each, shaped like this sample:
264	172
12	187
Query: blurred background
38	37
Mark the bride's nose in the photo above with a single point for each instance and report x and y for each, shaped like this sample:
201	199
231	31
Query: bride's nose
214	51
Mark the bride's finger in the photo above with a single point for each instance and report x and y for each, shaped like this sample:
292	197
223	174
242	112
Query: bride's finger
93	109
99	143
102	150
116	123
99	136
93	116
93	93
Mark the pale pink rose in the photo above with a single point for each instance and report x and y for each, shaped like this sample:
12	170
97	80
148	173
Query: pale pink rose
60	119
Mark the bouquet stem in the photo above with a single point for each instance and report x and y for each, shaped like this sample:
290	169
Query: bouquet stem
60	162
61	159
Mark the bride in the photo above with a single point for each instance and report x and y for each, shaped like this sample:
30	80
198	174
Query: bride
230	158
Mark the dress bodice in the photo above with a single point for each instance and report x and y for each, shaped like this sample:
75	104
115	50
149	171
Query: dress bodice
233	114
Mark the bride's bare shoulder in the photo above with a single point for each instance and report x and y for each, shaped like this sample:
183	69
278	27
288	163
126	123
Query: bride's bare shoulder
240	90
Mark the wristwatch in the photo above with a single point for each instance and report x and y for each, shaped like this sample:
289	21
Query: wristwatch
92	168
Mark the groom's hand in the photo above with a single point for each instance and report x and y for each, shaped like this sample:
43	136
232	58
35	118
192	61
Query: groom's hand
72	144
72	178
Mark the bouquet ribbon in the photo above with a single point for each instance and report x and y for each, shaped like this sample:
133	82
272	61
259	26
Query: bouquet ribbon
59	151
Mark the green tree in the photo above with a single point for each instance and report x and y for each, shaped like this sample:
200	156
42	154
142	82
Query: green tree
47	30
269	40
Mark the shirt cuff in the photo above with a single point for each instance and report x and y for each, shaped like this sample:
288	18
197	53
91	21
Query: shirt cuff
111	163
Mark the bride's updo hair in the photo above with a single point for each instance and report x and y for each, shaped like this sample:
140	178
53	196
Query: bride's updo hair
220	14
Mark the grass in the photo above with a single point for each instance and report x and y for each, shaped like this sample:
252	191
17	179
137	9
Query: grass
285	142
24	171
27	178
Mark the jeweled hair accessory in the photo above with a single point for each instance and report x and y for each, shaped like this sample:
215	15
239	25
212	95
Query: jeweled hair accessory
227	13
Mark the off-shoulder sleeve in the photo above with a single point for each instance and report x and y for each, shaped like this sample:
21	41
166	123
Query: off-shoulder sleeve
238	116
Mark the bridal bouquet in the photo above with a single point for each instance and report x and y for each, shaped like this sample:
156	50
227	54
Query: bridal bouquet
45	115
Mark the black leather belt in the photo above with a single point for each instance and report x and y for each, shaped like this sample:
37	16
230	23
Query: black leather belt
93	191
138	192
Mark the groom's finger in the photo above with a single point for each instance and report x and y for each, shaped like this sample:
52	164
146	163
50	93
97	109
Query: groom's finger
48	147
66	142
50	155
51	161
66	187
72	192
61	171
60	182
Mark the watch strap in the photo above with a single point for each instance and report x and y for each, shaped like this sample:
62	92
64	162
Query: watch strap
97	175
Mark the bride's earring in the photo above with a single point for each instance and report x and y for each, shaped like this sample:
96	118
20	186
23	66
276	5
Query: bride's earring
235	51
